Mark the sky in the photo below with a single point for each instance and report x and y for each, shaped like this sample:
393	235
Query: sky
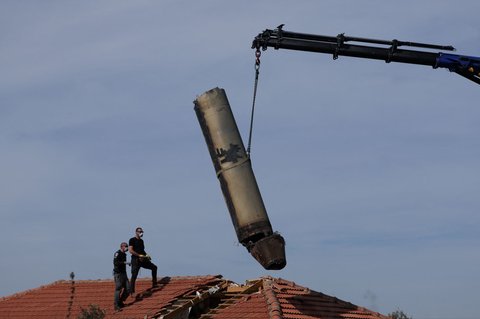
369	170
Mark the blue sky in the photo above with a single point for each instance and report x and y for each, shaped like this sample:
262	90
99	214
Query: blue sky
369	170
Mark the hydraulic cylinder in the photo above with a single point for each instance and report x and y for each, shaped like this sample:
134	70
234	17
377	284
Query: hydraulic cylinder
239	186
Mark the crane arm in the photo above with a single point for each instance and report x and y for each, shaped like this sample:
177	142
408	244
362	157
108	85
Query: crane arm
342	45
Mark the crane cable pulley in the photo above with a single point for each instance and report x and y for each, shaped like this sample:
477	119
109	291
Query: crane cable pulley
258	53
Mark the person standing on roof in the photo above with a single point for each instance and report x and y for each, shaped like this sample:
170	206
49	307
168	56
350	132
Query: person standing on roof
140	259
120	276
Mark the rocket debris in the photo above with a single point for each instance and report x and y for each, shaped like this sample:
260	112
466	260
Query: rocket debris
239	187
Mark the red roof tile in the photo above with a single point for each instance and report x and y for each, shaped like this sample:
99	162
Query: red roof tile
300	302
52	301
266	298
248	307
280	298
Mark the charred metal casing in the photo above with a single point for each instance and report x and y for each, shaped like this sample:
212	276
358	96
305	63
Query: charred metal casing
239	187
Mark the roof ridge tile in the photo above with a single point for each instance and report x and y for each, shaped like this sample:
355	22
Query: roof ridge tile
274	306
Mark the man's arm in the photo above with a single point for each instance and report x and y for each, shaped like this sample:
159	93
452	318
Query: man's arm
133	252
116	261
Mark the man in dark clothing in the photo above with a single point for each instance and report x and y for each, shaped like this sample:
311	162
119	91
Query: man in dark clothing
140	259
120	276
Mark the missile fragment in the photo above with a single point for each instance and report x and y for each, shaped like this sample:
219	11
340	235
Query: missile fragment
237	181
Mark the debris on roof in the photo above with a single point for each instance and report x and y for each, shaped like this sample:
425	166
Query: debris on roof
196	297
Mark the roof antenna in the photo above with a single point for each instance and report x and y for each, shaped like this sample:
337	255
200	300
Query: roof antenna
72	294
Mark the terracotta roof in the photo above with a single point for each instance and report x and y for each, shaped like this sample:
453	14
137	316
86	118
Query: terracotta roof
300	302
53	301
204	297
278	298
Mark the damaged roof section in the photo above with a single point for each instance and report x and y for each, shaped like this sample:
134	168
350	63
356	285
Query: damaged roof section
197	297
277	298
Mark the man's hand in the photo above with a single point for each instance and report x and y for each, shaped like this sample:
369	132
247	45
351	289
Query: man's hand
145	257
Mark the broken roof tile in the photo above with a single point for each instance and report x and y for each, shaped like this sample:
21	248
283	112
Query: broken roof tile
203	296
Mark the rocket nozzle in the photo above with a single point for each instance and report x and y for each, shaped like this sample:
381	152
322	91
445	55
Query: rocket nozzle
269	252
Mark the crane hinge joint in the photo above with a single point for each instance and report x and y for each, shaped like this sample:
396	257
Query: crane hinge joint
455	63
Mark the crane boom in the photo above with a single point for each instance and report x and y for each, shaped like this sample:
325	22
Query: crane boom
342	45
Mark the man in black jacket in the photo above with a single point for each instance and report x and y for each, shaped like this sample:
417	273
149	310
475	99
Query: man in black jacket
140	259
120	276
